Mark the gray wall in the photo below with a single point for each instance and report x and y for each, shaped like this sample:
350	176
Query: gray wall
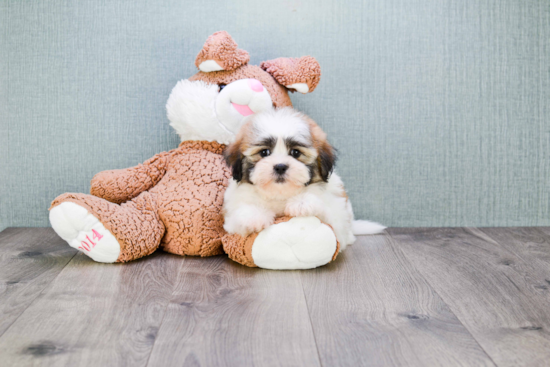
440	108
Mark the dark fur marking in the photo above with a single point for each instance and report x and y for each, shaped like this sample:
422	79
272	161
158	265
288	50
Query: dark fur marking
312	173
327	160
247	168
291	143
240	166
267	142
234	160
237	169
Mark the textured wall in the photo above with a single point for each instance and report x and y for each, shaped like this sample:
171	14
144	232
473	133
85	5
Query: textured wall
440	108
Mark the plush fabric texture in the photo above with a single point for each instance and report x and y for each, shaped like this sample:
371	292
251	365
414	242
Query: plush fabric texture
289	71
135	224
183	209
221	48
239	248
83	231
121	185
278	93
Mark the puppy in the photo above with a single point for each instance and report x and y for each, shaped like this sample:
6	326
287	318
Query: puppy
282	164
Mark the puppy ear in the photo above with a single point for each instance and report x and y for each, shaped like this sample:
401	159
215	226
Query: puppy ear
233	153
326	153
220	52
301	74
326	161
234	160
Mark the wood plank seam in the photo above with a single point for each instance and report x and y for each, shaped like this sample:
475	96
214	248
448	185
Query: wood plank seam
371	307
222	313
496	288
164	313
311	322
92	343
39	294
439	295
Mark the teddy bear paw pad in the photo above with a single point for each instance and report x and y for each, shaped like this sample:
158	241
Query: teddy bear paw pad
300	243
84	232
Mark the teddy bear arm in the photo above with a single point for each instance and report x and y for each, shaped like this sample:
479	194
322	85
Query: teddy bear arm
121	185
290	243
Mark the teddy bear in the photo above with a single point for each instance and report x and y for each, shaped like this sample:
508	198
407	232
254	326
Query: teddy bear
174	200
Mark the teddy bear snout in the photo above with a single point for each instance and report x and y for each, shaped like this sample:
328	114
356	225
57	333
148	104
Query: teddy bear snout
246	92
240	99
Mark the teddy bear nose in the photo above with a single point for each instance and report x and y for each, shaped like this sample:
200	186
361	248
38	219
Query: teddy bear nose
255	85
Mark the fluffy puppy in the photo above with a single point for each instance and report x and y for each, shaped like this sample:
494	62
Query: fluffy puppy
282	164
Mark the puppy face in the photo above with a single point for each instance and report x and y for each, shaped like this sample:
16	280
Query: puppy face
280	151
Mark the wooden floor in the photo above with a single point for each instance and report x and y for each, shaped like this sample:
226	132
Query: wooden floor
411	297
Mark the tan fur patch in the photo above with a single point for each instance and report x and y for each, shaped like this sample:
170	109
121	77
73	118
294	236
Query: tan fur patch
242	142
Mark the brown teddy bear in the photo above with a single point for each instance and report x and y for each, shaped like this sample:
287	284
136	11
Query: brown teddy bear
174	200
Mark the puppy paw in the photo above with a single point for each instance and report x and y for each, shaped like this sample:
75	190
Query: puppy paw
305	206
257	224
248	219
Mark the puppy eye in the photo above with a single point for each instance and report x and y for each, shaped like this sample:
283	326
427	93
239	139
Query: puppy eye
222	86
295	153
265	153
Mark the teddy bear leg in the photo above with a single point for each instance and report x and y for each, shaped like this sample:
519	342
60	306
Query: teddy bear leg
105	231
290	243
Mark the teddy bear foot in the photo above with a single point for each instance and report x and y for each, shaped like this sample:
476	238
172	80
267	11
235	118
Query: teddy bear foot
300	243
84	232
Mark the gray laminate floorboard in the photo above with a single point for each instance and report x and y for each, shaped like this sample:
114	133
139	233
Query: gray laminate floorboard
372	308
488	286
413	297
29	261
532	245
94	315
225	314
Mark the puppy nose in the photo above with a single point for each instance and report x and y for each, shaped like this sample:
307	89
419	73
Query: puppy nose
280	168
255	85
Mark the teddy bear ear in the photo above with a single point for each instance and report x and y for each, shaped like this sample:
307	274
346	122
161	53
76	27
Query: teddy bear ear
220	52
301	74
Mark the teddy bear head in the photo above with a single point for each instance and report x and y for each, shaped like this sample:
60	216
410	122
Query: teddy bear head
214	103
